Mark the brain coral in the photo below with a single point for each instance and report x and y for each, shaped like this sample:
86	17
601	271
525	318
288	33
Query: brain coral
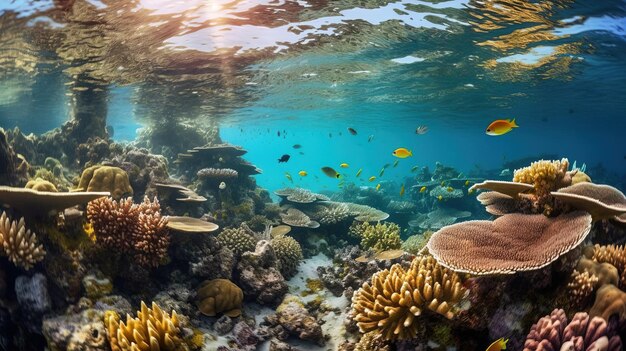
105	178
380	237
512	243
152	330
219	296
391	303
289	254
18	243
40	184
238	240
135	229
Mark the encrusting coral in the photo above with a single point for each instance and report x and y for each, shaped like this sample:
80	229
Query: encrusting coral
40	184
18	243
135	229
238	240
390	304
614	255
151	330
105	178
289	254
219	296
610	301
371	341
379	237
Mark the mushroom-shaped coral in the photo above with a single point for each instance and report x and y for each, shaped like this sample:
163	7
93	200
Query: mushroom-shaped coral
135	229
105	178
33	202
289	254
190	225
395	298
602	201
18	243
300	196
380	237
152	330
582	333
238	240
297	218
40	184
219	296
497	203
512	243
511	189
545	176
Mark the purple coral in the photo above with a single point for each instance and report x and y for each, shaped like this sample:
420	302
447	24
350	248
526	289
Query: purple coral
583	333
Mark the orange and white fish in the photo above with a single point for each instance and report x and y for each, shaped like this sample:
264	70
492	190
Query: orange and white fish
501	126
498	345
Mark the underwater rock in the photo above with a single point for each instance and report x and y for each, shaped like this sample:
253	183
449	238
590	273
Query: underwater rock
144	170
10	172
259	275
245	337
207	261
507	322
223	325
176	297
33	299
296	320
96	287
277	345
92	152
82	331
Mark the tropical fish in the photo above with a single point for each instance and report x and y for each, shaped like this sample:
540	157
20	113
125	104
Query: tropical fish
501	126
288	176
358	173
377	186
467	182
415	168
395	164
439	197
498	345
386	165
402	190
505	172
329	171
421	130
370	138
296	146
303	173
402	152
344	165
284	158
423	189
372	178
382	171
278	132
301	153
352	131
450	189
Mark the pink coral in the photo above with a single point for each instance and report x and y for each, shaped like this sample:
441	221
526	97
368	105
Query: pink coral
135	229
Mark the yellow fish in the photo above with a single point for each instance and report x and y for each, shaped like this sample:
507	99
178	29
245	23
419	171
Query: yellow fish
372	178
358	173
470	191
377	186
439	197
288	176
382	171
395	164
466	182
303	173
329	171
344	165
423	189
501	126
402	152
450	189
498	345
402	190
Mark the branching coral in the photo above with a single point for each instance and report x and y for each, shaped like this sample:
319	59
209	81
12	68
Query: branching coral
380	237
289	254
151	330
582	333
135	229
581	286
545	176
105	178
238	240
390	304
614	255
18	243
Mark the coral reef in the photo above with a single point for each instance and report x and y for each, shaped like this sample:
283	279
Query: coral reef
610	301
216	174
19	244
289	254
238	240
331	213
296	320
300	196
40	184
415	243
614	255
379	237
544	176
135	229
393	302
105	178
371	341
259	276
297	218
219	296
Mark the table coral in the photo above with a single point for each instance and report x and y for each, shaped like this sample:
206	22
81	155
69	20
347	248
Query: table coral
135	229
151	330
19	244
105	178
219	296
380	237
390	304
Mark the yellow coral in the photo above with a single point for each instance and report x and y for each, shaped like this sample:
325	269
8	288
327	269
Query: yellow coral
40	184
105	178
152	330
395	297
614	255
18	243
545	176
380	237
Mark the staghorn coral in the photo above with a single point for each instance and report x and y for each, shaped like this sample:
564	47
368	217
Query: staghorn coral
219	296
40	184
545	176
511	243
289	254
135	229
105	178
415	243
582	333
239	240
18	243
151	330
614	255
380	237
297	218
390	304
217	174
331	213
